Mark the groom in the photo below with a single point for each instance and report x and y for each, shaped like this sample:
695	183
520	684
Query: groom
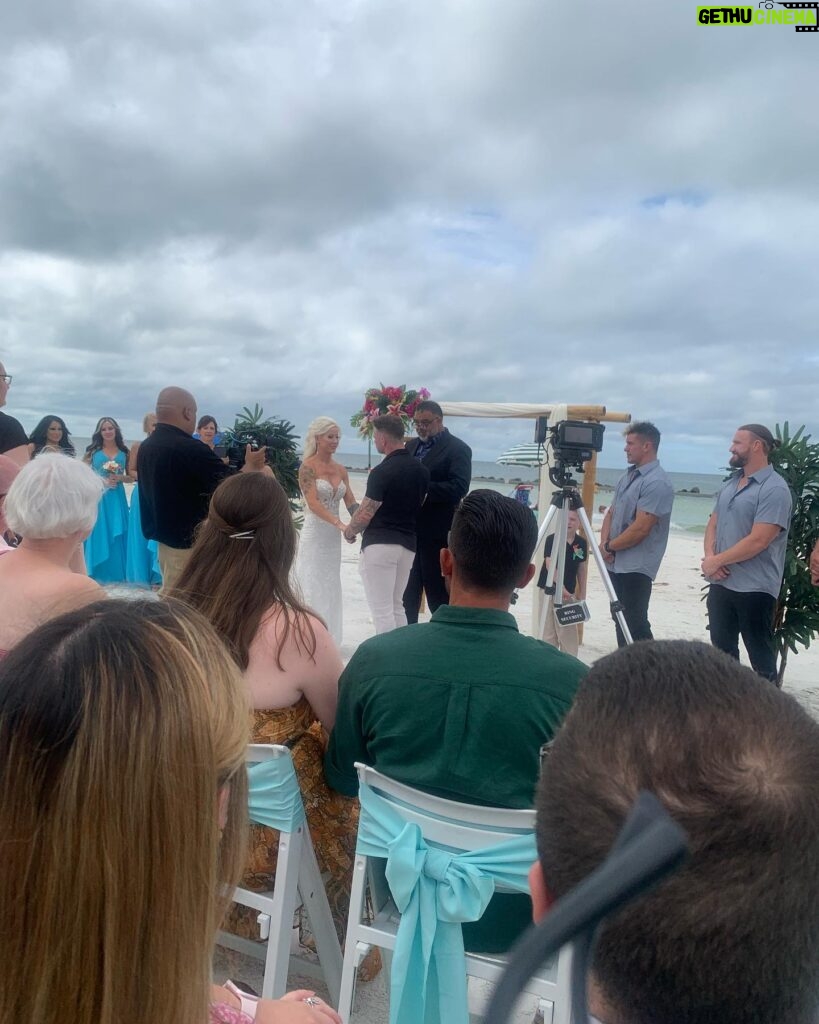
387	517
449	462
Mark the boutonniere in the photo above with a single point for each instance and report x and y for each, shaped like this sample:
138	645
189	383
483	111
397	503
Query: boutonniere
578	554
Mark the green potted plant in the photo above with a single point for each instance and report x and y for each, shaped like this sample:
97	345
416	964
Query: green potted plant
276	435
797	613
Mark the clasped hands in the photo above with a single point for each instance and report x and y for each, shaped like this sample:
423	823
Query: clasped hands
712	570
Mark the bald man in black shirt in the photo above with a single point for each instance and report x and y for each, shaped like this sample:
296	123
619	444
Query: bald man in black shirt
177	475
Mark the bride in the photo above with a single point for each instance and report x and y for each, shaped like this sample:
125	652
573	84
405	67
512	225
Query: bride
323	483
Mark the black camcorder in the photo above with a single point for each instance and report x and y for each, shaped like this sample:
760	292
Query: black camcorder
578	436
572	441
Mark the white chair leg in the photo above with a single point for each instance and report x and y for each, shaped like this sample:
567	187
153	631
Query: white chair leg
285	892
352	955
314	898
562	1010
544	1013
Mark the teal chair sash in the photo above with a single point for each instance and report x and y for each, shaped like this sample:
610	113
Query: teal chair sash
274	797
436	892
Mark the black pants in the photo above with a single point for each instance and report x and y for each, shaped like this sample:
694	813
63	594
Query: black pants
732	614
633	590
425	575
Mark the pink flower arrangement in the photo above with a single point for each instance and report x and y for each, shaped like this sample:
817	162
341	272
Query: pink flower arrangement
392	399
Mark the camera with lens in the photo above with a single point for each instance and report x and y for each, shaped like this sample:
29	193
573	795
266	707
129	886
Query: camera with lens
573	442
577	440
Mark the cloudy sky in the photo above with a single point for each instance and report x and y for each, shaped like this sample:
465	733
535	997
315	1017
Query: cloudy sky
502	201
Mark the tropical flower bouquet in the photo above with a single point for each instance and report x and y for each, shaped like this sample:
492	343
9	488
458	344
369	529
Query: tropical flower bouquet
395	400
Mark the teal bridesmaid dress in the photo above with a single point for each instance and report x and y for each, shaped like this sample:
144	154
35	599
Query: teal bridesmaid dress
142	563
106	547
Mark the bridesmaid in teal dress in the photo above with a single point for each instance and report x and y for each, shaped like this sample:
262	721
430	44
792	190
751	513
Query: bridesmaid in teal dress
105	548
142	562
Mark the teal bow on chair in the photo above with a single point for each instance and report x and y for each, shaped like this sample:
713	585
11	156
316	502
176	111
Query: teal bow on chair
274	797
435	891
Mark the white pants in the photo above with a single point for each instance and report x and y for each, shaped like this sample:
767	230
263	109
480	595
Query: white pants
564	638
384	570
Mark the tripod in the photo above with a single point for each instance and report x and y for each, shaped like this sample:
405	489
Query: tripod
565	499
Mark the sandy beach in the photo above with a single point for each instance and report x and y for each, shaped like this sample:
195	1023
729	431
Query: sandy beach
676	611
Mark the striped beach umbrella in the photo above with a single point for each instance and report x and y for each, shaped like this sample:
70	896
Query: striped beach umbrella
522	455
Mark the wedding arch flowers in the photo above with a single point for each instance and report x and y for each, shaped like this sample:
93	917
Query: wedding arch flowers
395	400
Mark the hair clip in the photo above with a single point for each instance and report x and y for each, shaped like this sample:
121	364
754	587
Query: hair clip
243	535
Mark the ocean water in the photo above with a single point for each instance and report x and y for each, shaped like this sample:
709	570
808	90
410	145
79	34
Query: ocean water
690	512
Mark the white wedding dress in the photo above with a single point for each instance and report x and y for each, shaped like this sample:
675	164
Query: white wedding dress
318	564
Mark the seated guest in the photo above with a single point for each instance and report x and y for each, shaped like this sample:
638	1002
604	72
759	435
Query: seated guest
238	576
461	705
731	937
52	504
123	800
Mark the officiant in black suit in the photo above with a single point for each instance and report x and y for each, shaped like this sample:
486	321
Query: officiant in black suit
449	462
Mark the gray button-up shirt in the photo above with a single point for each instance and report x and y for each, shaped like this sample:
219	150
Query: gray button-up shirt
643	489
766	498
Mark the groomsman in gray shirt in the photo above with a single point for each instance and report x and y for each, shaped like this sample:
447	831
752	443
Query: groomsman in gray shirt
745	543
634	534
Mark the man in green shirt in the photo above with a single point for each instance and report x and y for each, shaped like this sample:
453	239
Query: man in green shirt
460	706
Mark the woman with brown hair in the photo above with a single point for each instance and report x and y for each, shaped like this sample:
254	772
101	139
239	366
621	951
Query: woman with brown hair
106	548
123	729
207	430
238	576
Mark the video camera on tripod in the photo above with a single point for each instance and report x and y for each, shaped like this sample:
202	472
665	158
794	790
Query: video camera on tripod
573	443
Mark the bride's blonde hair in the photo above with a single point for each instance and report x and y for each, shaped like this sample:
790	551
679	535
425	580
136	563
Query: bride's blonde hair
320	425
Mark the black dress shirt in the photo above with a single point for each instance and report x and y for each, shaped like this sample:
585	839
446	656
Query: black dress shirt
177	475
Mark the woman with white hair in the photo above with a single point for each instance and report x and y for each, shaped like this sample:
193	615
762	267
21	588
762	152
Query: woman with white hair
324	484
52	503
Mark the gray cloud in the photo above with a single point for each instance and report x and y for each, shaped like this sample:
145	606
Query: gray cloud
501	202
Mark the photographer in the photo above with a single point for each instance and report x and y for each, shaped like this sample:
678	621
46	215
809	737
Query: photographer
177	475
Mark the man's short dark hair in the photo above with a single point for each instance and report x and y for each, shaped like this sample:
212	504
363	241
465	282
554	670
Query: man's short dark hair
429	406
391	425
732	937
492	540
645	430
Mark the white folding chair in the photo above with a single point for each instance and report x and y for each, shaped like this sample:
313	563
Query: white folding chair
297	877
453	828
